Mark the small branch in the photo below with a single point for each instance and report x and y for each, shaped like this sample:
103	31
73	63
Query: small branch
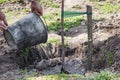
62	33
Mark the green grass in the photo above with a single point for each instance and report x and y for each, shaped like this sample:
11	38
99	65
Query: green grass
55	6
107	8
54	40
57	41
103	75
95	0
23	71
13	16
55	77
2	1
54	21
111	58
26	52
50	3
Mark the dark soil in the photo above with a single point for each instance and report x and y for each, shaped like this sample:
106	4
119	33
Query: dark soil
6	60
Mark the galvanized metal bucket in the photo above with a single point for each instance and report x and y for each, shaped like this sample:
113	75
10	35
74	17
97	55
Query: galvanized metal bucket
26	32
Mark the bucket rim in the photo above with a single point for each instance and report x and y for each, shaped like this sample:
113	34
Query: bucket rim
7	30
45	26
45	30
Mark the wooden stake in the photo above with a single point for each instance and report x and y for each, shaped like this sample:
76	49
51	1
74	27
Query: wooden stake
62	33
90	37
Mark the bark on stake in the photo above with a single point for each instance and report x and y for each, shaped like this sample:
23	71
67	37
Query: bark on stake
90	37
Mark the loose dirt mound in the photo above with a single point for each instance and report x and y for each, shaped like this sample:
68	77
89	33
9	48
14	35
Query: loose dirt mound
6	55
106	52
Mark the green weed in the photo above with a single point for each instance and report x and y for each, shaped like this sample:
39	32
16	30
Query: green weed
107	8
110	59
23	71
76	6
55	6
61	76
57	41
54	40
54	21
2	1
96	0
26	52
105	75
49	3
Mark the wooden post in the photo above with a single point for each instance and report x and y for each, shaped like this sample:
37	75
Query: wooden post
90	37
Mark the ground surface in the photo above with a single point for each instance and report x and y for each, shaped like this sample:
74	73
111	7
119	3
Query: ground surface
106	38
